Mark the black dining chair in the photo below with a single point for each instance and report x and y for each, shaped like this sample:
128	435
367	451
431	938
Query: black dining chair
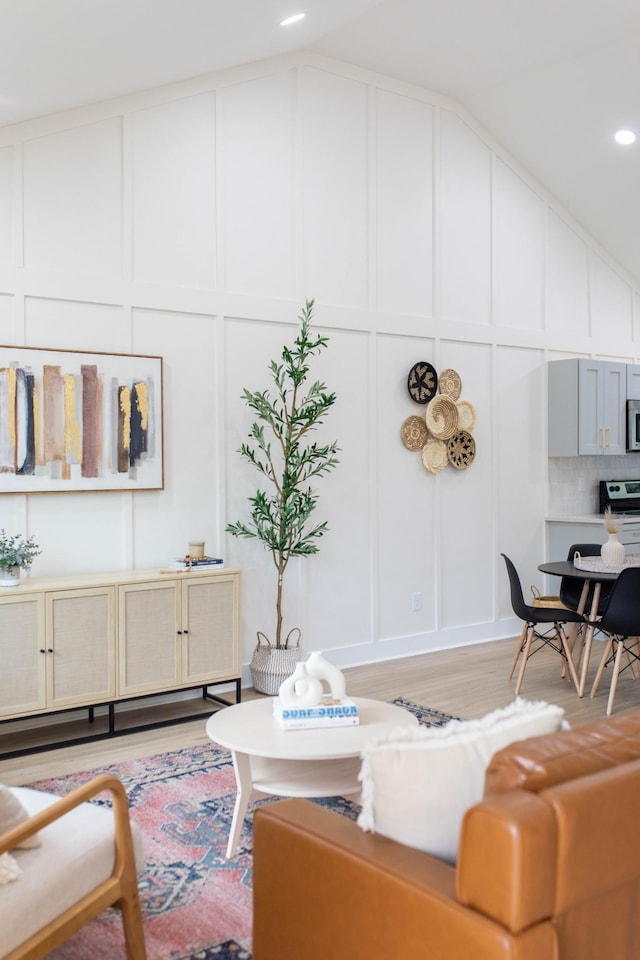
621	622
544	624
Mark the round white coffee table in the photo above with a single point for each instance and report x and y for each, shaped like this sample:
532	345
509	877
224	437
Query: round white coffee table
270	761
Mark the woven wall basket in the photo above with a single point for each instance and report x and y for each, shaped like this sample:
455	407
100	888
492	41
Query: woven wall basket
271	666
434	455
414	433
442	417
449	383
466	415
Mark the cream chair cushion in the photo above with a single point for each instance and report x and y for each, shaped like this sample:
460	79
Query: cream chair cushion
76	853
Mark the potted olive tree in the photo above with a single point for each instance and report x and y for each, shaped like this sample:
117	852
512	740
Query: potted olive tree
16	553
282	450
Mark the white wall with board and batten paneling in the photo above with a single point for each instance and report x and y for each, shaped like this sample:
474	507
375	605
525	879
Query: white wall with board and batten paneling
193	221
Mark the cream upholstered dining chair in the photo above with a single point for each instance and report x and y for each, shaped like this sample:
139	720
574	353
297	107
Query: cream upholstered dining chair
62	862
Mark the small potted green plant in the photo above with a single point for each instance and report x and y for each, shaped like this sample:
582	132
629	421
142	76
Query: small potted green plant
287	458
16	553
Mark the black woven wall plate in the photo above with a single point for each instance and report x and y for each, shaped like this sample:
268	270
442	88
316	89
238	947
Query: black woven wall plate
422	381
461	450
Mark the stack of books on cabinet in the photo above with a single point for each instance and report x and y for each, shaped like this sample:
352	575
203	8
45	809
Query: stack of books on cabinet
201	563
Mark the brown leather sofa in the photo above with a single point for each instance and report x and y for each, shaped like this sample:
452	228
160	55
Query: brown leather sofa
548	866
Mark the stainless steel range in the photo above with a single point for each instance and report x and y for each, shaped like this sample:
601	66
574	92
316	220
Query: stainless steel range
623	496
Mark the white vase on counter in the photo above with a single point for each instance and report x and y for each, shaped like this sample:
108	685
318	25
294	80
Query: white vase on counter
612	552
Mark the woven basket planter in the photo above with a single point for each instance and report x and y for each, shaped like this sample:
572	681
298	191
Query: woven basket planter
270	666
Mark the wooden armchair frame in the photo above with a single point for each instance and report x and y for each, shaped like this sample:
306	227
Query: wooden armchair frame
119	890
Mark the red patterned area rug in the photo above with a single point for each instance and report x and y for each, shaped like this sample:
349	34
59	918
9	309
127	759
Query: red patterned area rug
196	904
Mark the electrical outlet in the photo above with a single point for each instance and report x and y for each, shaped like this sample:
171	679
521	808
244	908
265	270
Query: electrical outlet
416	602
582	486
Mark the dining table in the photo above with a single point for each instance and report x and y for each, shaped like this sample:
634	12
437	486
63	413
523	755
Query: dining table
567	568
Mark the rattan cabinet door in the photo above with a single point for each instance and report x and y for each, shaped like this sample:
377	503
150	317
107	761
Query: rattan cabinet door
81	647
211	629
149	651
22	655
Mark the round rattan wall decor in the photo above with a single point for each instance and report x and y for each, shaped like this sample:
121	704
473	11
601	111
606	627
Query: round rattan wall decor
466	415
434	455
442	431
414	433
422	382
442	417
461	450
450	384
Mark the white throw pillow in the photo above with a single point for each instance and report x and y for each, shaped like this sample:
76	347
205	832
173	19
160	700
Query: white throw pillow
417	782
13	813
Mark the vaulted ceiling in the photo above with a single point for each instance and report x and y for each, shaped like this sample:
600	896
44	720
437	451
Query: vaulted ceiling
551	80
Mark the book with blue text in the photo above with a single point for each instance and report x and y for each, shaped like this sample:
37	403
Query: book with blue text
328	713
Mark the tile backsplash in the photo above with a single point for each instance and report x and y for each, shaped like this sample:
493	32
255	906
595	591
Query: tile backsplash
573	481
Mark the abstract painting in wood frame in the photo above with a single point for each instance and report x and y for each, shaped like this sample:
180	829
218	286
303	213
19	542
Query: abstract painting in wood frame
72	421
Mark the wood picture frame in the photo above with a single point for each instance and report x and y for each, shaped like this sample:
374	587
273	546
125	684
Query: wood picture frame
73	421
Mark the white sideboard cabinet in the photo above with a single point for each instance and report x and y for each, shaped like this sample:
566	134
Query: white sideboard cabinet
177	633
98	639
57	650
22	655
587	401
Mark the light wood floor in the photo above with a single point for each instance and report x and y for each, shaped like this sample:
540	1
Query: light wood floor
468	682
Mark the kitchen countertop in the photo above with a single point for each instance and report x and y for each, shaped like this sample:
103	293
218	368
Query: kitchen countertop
585	518
594	518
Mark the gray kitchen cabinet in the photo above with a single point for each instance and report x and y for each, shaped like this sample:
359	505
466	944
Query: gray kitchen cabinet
633	381
587	400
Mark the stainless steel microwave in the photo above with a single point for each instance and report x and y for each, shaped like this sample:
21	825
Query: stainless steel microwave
633	425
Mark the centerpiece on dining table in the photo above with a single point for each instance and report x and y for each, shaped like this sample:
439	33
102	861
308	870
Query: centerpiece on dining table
613	557
612	551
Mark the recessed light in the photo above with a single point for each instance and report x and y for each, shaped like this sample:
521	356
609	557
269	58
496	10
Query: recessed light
625	137
293	19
